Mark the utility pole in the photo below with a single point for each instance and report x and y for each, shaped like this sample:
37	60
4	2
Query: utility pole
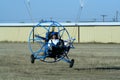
103	16
117	16
51	18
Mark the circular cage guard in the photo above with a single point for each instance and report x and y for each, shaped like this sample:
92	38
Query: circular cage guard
38	36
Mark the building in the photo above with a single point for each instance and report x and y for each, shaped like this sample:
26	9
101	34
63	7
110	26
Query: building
103	32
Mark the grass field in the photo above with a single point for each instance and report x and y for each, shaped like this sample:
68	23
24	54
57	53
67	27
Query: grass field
92	62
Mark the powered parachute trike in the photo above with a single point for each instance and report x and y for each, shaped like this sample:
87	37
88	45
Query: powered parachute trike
38	43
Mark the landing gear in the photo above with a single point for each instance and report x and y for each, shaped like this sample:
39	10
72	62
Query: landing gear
32	58
71	63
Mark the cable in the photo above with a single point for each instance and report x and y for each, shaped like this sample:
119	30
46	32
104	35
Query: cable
28	6
80	9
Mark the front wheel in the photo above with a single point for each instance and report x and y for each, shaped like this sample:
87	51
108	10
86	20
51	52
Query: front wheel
32	58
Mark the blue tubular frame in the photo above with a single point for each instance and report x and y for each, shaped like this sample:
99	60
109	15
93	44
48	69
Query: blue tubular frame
40	40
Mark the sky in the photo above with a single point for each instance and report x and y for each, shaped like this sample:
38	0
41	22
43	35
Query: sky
59	10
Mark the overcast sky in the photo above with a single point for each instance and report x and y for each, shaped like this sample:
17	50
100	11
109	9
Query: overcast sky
58	10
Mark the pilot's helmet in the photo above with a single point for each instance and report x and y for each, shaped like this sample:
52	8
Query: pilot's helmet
54	33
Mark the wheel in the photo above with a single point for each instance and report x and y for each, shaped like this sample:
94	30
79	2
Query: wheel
32	58
71	63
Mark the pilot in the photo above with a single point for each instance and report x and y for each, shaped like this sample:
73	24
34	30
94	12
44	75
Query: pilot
55	44
54	39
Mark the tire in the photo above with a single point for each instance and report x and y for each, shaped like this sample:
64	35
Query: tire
32	58
71	63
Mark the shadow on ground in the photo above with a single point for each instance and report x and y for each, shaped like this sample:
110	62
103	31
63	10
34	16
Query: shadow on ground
98	68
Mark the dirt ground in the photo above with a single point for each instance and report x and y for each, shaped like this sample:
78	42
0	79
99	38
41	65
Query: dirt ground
92	62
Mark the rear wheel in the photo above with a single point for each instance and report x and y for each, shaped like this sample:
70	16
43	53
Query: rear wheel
71	63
